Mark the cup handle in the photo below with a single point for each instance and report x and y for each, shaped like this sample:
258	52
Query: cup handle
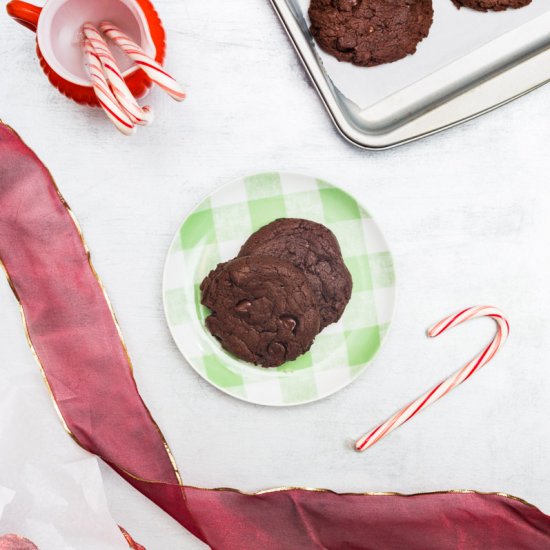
24	13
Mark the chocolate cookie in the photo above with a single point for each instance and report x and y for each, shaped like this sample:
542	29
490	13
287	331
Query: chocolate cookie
370	32
313	249
494	5
263	309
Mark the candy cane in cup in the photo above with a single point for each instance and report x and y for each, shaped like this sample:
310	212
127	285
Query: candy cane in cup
443	388
123	95
151	68
105	96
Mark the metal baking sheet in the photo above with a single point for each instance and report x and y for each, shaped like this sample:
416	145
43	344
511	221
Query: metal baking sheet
464	86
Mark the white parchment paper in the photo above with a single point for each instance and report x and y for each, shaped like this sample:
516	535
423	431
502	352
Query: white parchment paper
51	490
454	33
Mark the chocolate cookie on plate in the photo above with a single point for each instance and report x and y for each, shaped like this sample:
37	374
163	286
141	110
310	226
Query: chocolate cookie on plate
313	249
263	309
370	32
494	5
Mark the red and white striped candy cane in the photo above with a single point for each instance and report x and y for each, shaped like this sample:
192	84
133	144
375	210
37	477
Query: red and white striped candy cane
121	91
104	94
151	68
443	388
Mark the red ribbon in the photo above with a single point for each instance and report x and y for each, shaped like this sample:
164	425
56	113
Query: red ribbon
76	340
15	542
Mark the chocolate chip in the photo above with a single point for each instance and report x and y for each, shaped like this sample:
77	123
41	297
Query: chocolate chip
290	323
346	43
243	307
276	350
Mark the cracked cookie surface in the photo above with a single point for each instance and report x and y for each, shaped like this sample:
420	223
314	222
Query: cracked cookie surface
493	5
313	249
263	309
370	32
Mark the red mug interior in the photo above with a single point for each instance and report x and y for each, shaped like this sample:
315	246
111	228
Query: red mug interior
59	33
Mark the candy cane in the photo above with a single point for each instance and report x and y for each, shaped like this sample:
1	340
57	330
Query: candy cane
104	94
153	70
443	388
120	90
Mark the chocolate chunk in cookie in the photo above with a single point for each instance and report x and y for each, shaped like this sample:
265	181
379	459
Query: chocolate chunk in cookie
493	5
313	249
370	32
263	309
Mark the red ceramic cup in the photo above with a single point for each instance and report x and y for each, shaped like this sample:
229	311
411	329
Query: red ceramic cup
57	26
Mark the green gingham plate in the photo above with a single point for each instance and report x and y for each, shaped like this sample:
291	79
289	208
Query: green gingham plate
215	230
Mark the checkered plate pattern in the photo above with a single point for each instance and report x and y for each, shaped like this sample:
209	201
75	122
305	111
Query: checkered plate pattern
214	232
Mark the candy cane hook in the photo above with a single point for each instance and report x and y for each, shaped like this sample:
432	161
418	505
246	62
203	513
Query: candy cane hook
151	68
443	388
127	101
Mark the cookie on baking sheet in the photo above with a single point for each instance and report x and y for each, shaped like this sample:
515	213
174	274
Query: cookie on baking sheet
263	309
493	5
313	249
370	32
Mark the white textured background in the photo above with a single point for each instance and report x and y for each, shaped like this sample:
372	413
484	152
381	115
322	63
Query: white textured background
466	215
